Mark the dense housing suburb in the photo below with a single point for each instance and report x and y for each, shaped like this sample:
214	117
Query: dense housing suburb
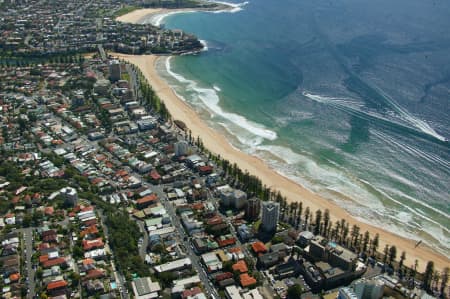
39	28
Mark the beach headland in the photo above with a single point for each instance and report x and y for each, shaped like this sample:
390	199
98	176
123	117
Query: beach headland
219	145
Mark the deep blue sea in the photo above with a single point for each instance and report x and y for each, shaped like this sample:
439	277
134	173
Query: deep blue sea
350	98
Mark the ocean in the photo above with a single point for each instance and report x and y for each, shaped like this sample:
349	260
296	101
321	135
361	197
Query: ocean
349	98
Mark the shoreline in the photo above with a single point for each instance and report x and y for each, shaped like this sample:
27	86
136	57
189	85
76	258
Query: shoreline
156	15
218	144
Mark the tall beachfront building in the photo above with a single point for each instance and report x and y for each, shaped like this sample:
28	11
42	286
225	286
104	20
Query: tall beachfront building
252	209
270	214
114	70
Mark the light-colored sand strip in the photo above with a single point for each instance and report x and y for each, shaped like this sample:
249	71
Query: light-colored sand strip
217	143
138	15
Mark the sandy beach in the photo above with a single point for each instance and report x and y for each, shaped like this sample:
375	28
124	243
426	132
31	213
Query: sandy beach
218	144
138	15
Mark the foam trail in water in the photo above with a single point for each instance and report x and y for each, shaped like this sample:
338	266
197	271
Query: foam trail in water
417	153
211	100
235	7
418	123
404	115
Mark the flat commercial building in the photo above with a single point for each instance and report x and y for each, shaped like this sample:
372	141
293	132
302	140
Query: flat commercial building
175	265
232	292
322	249
144	288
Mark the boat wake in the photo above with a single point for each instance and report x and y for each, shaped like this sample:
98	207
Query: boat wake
352	107
235	7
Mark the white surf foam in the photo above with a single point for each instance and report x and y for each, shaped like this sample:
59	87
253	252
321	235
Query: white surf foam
210	99
205	45
284	153
158	19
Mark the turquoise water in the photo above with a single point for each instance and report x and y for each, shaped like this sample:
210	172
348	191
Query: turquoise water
348	98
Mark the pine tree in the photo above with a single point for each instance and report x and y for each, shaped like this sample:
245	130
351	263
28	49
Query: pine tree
428	275
375	244
444	280
318	222
392	254
345	231
402	260
299	215
306	216
385	252
436	278
326	220
365	242
354	234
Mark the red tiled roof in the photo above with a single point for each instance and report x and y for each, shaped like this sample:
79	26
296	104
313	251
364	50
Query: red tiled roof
49	210
235	250
90	230
94	273
49	238
246	280
90	222
146	199
14	277
206	168
191	292
155	175
259	247
198	206
215	220
56	285
43	246
43	258
226	242
240	266
91	244
121	173
97	181
87	262
54	262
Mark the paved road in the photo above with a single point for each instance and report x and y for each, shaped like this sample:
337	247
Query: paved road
143	246
28	252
